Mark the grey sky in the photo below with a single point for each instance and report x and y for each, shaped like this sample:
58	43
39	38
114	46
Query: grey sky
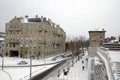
76	17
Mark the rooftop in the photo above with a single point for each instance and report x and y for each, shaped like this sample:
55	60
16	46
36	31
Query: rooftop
35	20
97	31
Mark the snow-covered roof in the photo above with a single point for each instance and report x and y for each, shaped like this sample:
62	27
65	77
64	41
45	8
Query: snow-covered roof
27	20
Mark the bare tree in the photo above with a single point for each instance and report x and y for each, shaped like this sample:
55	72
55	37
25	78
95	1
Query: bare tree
72	46
77	44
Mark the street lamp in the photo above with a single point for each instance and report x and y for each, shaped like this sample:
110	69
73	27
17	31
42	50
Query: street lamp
30	42
30	66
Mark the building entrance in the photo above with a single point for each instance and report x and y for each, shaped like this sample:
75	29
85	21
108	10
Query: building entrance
14	53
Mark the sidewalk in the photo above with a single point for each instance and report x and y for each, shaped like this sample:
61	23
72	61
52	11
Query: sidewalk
76	72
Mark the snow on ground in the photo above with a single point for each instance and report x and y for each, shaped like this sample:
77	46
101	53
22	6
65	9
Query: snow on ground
13	61
76	72
114	55
22	73
4	75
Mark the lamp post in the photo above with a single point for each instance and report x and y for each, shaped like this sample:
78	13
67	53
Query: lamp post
30	60
30	66
30	41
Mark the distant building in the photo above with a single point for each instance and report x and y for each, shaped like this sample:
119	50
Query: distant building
2	45
112	46
96	38
96	71
104	63
37	36
111	39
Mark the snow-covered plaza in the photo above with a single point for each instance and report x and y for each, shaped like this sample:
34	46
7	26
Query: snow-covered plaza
13	71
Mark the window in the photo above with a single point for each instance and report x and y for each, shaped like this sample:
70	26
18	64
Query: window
10	45
39	53
6	45
14	26
100	44
100	36
10	32
13	44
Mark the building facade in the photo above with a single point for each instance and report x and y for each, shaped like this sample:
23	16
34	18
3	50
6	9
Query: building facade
37	36
96	38
2	43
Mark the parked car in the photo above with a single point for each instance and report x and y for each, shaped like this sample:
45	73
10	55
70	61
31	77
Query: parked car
22	63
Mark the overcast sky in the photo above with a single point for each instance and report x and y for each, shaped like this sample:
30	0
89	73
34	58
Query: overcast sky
76	17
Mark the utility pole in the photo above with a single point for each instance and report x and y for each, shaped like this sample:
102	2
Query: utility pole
30	60
30	41
30	66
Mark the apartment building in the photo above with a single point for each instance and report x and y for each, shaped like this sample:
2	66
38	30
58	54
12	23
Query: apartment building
37	36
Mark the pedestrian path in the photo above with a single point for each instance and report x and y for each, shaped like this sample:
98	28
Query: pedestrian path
77	72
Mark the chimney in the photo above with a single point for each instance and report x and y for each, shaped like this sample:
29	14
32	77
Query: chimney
26	16
42	18
49	20
36	16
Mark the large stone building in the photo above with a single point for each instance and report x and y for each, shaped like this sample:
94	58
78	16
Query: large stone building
37	36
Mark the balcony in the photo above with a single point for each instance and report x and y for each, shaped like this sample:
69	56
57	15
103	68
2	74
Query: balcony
14	41
17	28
